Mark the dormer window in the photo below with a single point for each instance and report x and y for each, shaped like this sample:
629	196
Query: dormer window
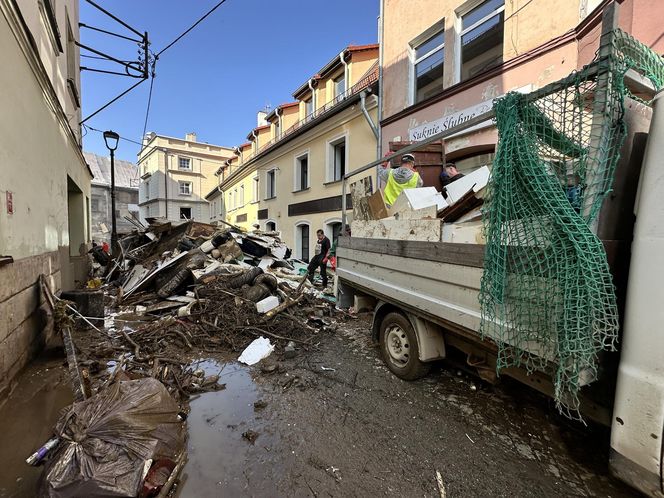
339	85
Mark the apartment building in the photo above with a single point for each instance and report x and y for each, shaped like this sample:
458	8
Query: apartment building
44	180
126	196
176	174
446	67
287	177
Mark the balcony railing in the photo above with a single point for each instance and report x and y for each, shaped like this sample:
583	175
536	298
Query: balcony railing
368	80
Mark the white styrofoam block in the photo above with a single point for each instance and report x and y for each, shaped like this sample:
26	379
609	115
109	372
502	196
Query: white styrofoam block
258	349
476	180
279	251
267	304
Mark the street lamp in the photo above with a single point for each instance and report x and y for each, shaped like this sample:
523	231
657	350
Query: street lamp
111	138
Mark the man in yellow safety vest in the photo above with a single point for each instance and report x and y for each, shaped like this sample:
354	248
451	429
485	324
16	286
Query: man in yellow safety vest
398	179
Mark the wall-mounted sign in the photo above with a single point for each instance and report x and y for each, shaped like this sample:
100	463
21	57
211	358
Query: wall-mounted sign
10	202
446	122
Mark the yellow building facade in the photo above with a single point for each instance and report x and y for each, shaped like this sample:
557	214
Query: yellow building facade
289	179
175	176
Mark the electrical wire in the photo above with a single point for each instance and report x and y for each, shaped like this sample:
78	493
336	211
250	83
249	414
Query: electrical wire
191	27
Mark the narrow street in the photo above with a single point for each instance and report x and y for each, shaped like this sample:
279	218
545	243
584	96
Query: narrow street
355	430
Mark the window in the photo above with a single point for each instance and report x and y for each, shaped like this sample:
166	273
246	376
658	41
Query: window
147	189
271	184
254	190
235	199
428	63
72	66
185	213
270	226
184	163
335	228
185	188
302	172
47	13
230	201
75	217
339	85
303	241
241	195
308	107
337	161
482	38
277	129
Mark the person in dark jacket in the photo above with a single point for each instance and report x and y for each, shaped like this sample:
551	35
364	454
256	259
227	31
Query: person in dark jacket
321	255
449	174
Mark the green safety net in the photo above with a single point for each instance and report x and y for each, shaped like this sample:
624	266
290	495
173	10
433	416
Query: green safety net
547	295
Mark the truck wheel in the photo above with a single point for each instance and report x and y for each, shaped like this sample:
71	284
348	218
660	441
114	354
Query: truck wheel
398	345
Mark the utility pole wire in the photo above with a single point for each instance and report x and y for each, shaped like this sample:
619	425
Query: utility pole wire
147	111
191	27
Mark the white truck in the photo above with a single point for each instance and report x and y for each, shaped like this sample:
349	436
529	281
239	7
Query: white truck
425	302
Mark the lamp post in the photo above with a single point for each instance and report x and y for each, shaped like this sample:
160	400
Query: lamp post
111	138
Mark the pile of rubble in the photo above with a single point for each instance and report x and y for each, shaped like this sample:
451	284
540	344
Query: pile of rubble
176	293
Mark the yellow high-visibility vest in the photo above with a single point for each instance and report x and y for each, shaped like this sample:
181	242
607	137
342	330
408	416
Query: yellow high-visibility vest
393	189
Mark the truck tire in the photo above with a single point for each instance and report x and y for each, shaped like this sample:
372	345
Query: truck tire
399	348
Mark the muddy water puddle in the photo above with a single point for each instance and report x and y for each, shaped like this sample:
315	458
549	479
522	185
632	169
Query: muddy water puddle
221	462
26	422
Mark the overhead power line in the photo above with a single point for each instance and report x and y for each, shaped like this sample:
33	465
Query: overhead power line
191	27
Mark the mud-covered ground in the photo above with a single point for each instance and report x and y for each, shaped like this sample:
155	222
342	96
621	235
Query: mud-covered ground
355	430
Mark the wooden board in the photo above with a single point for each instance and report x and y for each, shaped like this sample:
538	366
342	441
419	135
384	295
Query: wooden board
443	252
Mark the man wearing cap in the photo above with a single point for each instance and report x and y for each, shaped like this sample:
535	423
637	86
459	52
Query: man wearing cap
399	179
449	174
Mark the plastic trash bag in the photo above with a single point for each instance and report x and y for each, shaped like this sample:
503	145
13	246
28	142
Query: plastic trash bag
107	439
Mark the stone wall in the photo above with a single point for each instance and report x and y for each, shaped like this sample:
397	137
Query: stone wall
22	323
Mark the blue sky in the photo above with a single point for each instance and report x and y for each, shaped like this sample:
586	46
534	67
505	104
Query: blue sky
247	54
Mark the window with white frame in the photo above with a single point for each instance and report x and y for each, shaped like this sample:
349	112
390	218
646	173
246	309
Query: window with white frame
337	159
308	107
428	63
230	201
339	85
254	190
302	172
235	199
481	38
185	188
270	226
277	129
147	189
271	184
184	163
241	195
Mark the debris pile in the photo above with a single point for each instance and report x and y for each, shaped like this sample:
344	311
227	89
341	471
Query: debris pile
424	214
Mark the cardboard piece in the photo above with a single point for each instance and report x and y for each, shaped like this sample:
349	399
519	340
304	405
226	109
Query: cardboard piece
377	207
464	233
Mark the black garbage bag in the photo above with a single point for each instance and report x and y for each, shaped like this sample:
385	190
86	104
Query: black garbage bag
107	439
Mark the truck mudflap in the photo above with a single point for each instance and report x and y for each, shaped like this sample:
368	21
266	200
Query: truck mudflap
430	338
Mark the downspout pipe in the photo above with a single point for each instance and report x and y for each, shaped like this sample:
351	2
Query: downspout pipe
253	134
363	106
381	24
342	58
313	95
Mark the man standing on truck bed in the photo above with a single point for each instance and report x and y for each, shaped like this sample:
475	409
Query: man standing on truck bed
322	253
399	179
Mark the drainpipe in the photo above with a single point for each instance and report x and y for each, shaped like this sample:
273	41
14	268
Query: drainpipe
313	95
379	145
343	61
253	134
238	152
276	112
363	101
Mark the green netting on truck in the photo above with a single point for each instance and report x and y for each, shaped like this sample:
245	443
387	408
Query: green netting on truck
547	294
